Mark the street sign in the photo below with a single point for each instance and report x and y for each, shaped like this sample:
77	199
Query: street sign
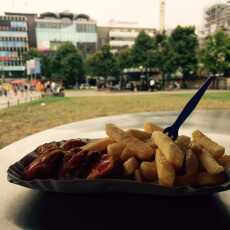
33	66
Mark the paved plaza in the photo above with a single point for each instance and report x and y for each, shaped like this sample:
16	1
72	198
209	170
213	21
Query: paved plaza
12	100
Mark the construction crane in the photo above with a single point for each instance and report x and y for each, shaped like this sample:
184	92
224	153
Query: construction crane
162	15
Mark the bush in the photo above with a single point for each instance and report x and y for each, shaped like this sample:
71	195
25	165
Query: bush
183	85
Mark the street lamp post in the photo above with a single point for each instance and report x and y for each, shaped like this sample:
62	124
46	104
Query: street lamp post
141	69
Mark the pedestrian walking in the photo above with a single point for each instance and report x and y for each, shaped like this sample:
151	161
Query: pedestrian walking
15	89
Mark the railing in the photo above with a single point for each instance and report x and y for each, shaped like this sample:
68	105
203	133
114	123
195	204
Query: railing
6	102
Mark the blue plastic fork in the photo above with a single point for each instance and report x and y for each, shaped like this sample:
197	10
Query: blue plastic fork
172	131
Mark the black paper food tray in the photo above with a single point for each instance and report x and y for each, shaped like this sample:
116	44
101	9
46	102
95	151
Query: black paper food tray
82	186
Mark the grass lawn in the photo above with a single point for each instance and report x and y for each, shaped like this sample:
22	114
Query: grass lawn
23	120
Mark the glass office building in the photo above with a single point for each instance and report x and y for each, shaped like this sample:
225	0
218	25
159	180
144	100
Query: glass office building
54	29
13	45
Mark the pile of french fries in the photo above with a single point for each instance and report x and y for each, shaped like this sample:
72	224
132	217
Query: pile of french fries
152	156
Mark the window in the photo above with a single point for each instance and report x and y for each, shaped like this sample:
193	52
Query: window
122	38
18	24
86	28
50	25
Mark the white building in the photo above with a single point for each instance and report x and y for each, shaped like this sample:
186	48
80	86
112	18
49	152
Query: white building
217	17
53	29
119	37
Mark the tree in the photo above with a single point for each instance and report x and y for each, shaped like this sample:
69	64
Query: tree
143	44
32	53
183	44
47	65
73	69
68	65
159	57
216	53
124	58
103	63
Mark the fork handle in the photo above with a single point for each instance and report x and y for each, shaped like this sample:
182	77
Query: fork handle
191	105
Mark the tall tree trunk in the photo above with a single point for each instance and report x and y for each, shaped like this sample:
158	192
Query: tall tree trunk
105	78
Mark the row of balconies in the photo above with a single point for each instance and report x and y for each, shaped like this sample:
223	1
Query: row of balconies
12	61
14	29
18	49
13	18
23	39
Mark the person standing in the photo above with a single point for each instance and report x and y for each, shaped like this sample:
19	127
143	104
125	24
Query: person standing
152	84
53	87
15	89
47	87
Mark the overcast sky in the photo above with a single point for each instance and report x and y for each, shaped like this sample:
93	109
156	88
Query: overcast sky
143	12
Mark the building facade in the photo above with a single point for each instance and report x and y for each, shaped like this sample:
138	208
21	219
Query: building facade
120	37
53	29
13	45
217	17
30	19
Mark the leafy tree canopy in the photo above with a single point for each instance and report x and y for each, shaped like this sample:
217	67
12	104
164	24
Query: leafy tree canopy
68	65
124	58
216	53
183	44
103	63
143	44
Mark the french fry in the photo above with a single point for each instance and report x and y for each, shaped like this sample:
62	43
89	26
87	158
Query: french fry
183	142
171	151
140	149
115	150
165	170
126	154
209	163
141	135
134	146
99	145
196	148
224	161
205	179
137	175
116	133
151	142
150	127
191	163
148	170
130	166
212	147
